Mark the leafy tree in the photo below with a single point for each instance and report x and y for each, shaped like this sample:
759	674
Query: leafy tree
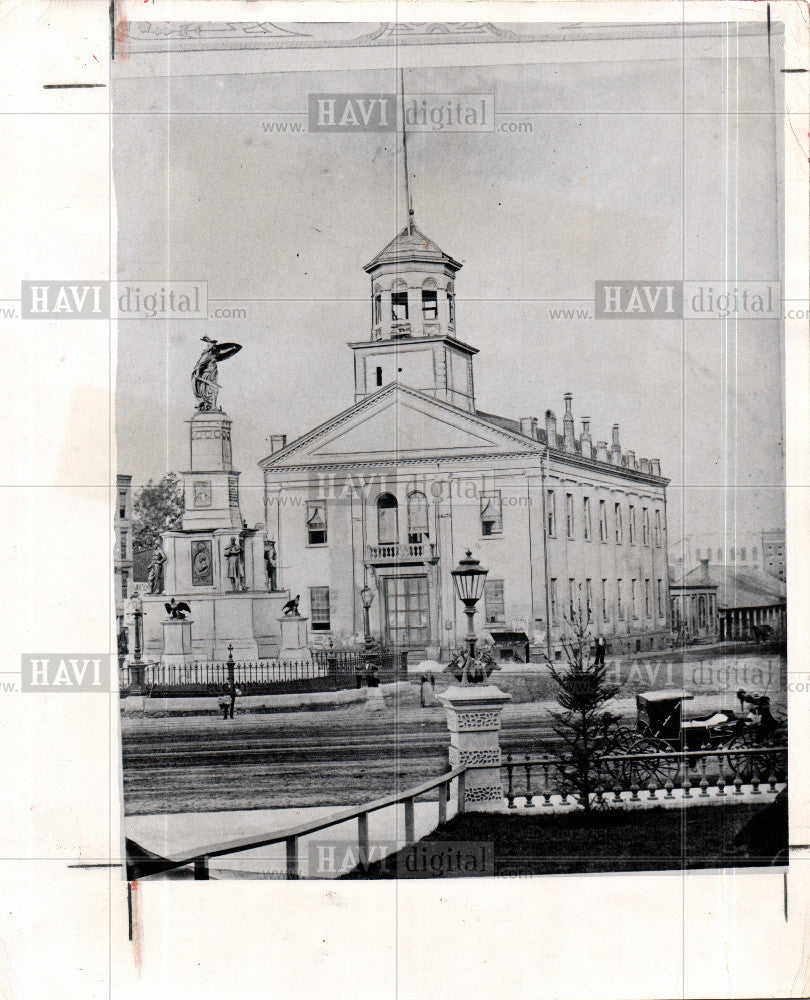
584	730
158	507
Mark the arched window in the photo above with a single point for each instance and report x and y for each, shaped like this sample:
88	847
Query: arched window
387	519
399	301
417	518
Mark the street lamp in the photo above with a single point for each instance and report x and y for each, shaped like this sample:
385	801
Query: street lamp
367	597
137	667
469	577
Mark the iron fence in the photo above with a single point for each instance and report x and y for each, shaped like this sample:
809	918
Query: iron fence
632	778
328	670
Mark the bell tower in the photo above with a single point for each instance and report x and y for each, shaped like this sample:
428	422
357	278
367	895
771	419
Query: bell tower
413	323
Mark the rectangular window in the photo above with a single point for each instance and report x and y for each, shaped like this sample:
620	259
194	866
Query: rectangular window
494	608
660	598
588	598
603	528
451	306
552	594
123	548
399	305
377	309
633	607
491	513
617	510
586	518
658	529
647	611
122	505
569	515
572	597
631	524
619	605
430	304
379	376
551	513
604	601
316	523
124	584
645	526
319	609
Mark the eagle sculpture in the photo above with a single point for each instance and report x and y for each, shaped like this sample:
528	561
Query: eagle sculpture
177	610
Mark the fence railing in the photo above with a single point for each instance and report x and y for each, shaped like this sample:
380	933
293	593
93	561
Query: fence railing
291	836
644	776
329	670
400	551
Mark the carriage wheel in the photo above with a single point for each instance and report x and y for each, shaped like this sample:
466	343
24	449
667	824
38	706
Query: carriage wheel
766	764
662	769
619	772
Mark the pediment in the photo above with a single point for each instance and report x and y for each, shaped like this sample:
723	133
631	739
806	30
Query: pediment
400	423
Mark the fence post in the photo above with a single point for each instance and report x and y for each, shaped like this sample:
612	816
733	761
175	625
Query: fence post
410	826
292	857
362	839
461	791
443	803
201	871
474	722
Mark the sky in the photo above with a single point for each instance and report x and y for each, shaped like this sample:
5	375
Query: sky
612	182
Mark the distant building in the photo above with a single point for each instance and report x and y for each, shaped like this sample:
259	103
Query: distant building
744	598
391	492
123	544
694	605
741	549
773	553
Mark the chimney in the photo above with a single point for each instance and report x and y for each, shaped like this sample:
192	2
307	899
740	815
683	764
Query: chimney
528	426
645	465
631	460
277	442
568	424
655	466
551	429
704	569
601	451
586	437
616	448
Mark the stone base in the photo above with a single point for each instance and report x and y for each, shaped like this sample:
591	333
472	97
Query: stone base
177	649
247	620
375	702
294	644
474	722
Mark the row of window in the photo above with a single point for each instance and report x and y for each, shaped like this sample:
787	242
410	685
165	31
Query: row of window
399	306
580	599
733	554
492	519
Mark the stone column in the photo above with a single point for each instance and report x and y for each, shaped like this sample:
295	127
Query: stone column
474	722
177	648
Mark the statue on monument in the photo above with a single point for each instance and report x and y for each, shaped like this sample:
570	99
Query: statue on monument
235	564
155	578
204	377
270	564
290	609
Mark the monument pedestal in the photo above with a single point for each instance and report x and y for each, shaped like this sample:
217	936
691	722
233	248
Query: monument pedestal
294	645
177	647
474	722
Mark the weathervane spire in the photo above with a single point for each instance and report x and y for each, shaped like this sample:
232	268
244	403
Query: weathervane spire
408	203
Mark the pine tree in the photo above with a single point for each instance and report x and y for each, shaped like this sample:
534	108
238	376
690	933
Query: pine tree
584	730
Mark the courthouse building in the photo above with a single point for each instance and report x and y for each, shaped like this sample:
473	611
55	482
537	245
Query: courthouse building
390	493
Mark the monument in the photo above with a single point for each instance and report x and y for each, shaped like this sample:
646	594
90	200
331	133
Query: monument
214	563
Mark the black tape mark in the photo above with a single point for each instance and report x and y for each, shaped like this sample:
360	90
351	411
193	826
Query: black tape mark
70	86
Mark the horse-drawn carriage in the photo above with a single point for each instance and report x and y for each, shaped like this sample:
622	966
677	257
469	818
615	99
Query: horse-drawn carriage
661	728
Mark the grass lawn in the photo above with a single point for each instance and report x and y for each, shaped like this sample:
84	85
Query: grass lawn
654	839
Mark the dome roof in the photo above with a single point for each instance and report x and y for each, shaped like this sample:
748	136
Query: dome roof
412	246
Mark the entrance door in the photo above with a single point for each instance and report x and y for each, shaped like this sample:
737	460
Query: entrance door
407	614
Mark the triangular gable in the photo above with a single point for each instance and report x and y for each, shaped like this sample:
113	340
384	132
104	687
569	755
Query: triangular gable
397	423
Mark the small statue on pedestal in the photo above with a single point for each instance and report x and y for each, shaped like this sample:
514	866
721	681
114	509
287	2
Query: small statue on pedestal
204	377
233	557
155	578
270	564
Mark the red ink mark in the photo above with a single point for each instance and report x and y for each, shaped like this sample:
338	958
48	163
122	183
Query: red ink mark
133	884
121	32
95	58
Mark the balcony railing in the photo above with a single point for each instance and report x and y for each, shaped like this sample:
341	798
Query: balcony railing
401	552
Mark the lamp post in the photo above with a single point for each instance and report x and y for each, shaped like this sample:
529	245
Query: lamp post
367	597
469	577
137	666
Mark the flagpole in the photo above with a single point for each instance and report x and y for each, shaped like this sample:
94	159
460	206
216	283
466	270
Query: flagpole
409	207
